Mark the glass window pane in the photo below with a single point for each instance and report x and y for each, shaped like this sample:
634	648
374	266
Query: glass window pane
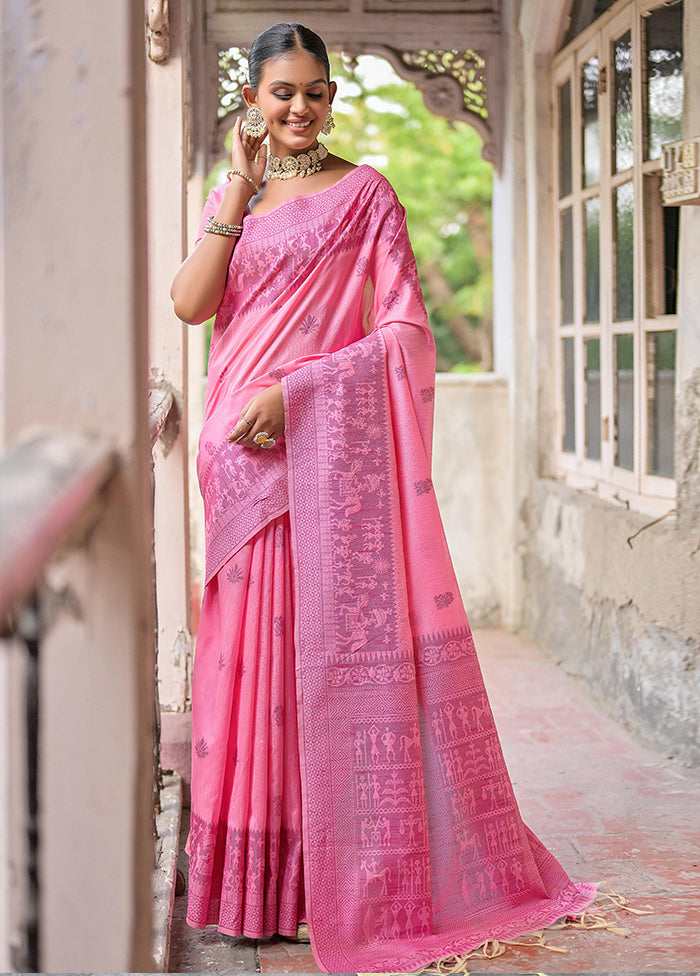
624	401
622	103
592	253
569	383
661	385
565	139
671	217
583	13
661	227
566	264
589	118
592	393
664	78
623	205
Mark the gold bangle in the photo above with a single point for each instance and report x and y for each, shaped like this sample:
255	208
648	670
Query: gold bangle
238	172
226	230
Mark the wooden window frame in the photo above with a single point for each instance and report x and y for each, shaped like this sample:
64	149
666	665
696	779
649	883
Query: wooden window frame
636	488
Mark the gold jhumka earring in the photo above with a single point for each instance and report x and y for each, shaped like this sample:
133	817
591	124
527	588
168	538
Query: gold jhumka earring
329	123
254	122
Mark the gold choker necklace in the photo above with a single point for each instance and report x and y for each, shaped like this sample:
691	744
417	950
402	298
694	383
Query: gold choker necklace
302	165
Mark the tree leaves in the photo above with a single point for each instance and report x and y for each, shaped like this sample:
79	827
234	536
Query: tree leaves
436	168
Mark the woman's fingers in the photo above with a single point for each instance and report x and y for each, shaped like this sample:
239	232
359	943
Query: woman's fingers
264	424
244	424
260	163
264	431
264	414
239	434
252	426
252	141
238	134
243	147
247	153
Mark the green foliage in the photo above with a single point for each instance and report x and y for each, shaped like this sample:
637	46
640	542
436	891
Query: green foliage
465	368
436	168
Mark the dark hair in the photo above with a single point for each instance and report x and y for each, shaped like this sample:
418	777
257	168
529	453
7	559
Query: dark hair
281	39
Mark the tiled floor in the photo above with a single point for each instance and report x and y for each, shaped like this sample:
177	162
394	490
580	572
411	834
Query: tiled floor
610	809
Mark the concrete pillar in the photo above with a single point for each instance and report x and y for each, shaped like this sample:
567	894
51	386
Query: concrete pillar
522	229
512	347
5	849
74	337
539	26
203	95
13	807
168	159
688	348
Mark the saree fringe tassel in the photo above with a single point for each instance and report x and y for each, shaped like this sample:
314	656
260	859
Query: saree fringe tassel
594	917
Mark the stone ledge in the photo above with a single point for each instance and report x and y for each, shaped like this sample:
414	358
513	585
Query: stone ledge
165	874
471	379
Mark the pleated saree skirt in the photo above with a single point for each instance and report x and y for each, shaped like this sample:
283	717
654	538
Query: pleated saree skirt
245	835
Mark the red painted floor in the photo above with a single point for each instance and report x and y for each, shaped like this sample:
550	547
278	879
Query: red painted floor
610	809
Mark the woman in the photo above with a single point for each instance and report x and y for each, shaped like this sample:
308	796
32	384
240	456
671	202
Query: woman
346	767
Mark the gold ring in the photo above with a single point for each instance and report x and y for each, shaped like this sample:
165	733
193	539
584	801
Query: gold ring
263	439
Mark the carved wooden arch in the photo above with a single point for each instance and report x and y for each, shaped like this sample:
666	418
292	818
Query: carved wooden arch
454	84
462	85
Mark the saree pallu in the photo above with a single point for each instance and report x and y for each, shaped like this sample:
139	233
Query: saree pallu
412	843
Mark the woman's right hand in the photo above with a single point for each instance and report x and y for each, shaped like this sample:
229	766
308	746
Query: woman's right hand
248	154
264	413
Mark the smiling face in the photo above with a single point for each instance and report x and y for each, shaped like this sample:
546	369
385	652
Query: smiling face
293	96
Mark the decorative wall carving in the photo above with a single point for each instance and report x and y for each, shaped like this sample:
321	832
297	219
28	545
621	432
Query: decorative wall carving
233	75
465	67
456	84
157	30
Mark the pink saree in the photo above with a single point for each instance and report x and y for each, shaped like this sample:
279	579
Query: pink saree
346	766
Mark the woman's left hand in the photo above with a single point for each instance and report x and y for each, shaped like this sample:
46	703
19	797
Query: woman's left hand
264	414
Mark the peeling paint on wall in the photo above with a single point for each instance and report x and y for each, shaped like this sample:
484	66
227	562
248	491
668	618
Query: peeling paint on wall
559	538
627	621
181	648
688	453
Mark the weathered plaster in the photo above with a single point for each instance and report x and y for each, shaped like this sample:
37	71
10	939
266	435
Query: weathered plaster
625	619
688	454
471	476
166	94
559	538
